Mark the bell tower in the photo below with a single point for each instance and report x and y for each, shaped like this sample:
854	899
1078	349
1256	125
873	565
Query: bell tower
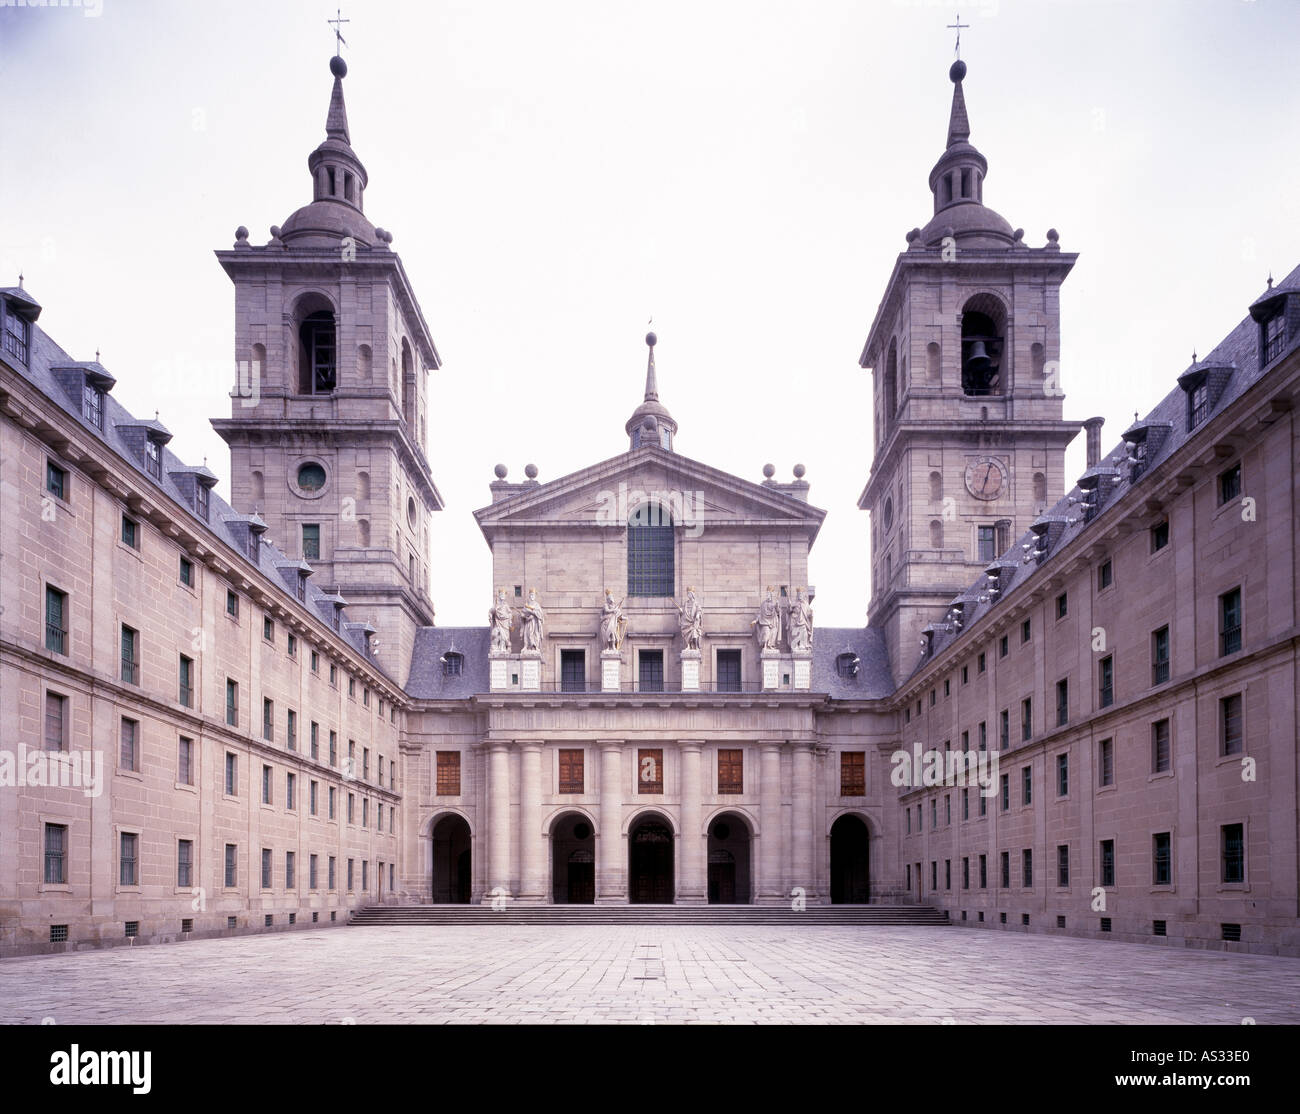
329	413
967	402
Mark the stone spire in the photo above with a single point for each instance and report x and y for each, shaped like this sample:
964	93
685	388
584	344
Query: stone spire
650	423
336	120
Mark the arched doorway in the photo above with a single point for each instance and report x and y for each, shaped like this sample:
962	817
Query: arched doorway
729	845
850	862
650	862
573	861
451	861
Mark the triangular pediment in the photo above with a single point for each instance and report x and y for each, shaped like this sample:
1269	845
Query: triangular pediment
606	493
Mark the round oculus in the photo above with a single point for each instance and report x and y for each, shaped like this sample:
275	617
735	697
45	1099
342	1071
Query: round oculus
311	477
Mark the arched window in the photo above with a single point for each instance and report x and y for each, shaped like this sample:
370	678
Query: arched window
365	360
891	383
317	370
650	551
936	534
932	360
936	487
1040	488
408	385
983	331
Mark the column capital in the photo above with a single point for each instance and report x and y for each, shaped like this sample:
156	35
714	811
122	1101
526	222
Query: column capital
610	744
528	744
690	744
497	745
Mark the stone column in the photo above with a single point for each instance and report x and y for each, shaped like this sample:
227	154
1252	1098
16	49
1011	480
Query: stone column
770	889
803	820
611	865
498	820
691	886
532	844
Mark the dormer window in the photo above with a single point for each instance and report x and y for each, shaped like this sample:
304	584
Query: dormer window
17	335
254	545
153	458
92	405
300	589
452	663
1275	335
847	664
202	500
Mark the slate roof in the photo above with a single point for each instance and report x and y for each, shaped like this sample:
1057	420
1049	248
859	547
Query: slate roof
428	681
873	680
1239	350
121	433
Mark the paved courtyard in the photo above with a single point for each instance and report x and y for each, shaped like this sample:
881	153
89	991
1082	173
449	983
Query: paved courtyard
630	974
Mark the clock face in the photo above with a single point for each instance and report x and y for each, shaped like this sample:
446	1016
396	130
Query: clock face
985	478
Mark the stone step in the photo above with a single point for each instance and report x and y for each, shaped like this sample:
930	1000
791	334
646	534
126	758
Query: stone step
649	915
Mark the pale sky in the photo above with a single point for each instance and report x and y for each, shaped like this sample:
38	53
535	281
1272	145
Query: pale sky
556	173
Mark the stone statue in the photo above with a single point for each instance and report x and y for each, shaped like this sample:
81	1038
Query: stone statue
499	616
612	623
767	627
800	620
533	621
691	621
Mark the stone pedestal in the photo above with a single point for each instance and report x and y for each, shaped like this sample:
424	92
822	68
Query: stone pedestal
530	671
499	672
690	660
770	661
611	670
803	670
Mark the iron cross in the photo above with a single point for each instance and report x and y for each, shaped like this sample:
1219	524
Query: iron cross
338	34
959	26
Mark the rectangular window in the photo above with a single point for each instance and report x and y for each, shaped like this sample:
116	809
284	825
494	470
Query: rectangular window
331	871
130	655
17	336
130	752
934	813
268	720
1106	762
1004	729
1233	852
350	875
313	788
1062	606
56	617
984	872
185	761
934	874
983	736
232	604
980	664
185	862
186	676
965	804
1062	702
56	718
290	867
947	874
1230	729
1160	759
728	670
128	860
332	796
334	748
1027	868
290	797
130	532
650	770
232	780
232	860
56	854
1230	484
1230	622
1160	656
365	875
1006	870
984	803
352	808
986	542
731	771
853	773
291	729
1107	862
1063	865
202	500
153	458
448	773
266	868
1024	631
571	771
268	628
1105	575
314	741
1106	681
56	480
650	671
315	661
965	873
365	763
312	878
1062	775
266	785
334	674
1006	791
92	405
311	541
352	688
1026	785
947	809
1026	719
232	702
1161	860
1160	535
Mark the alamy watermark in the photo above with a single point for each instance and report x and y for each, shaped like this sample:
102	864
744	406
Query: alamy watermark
917	767
78	769
678	508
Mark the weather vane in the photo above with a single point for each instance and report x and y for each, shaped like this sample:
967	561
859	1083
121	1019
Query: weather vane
959	26
338	33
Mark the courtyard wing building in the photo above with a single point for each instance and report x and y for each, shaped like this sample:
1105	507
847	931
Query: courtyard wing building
241	716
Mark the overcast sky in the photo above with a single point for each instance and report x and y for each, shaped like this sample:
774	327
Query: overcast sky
555	173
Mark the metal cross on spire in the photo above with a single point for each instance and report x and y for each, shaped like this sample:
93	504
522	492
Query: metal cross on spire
959	26
338	33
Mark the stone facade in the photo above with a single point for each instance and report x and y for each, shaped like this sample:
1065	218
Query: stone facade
1117	657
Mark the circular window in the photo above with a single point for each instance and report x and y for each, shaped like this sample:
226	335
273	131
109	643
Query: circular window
410	512
581	830
311	477
721	830
889	513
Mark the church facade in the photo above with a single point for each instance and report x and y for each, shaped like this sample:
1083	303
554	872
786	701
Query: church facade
1072	708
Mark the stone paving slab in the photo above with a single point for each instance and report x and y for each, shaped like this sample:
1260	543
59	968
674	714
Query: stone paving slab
629	974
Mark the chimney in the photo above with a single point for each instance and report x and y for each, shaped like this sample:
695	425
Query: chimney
1093	428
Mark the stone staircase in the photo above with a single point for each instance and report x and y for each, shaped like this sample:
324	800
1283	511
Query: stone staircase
738	915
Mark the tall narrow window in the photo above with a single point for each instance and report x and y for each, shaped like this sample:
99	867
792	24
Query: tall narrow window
92	405
1230	732
573	671
130	639
1062	702
1063	865
56	852
853	773
56	480
1233	853
1107	862
232	860
56	717
1106	681
1161	859
1106	762
650	552
232	702
1230	622
650	671
986	542
728	679
128	860
153	458
185	761
731	771
316	367
1160	656
129	757
571	780
1160	750
448	773
186	687
185	862
311	541
202	500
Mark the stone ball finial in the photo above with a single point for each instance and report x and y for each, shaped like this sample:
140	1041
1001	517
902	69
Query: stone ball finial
501	471
1052	235
338	67
651	339
914	235
275	232
530	470
769	470
1018	235
956	71
241	233
800	471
